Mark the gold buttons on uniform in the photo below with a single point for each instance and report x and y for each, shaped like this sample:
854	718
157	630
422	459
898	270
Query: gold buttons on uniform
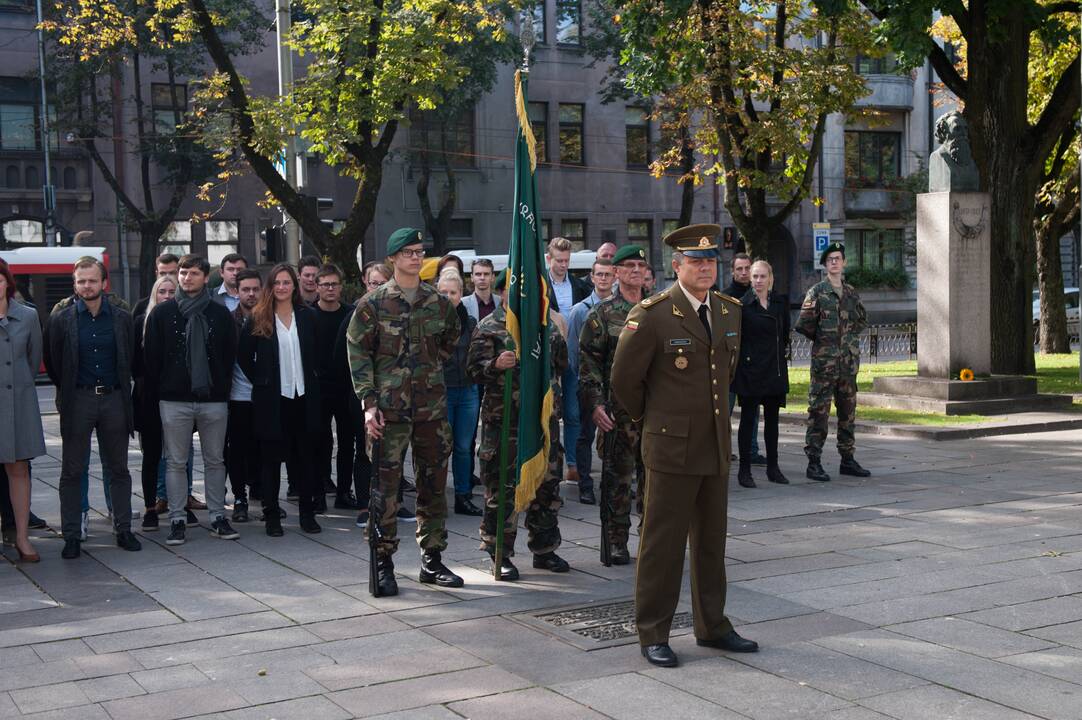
663	430
717	412
715	396
713	366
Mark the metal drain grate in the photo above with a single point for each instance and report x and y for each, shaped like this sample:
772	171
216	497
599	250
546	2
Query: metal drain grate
595	625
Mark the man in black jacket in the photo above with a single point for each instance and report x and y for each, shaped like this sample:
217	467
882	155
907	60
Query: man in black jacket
190	346
737	289
565	289
88	353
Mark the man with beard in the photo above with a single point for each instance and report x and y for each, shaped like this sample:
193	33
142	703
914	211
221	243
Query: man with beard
951	167
241	451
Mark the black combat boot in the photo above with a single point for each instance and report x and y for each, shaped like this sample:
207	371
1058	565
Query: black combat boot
743	475
816	471
388	586
434	571
774	474
464	506
849	466
508	571
620	554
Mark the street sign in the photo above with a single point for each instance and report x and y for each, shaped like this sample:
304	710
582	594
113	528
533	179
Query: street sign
820	238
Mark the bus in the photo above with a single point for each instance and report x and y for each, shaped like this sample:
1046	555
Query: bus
43	274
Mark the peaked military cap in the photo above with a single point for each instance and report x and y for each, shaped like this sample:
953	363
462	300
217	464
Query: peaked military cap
501	280
629	252
695	240
402	237
832	247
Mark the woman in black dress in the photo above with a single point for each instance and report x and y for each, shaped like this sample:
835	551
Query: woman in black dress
762	375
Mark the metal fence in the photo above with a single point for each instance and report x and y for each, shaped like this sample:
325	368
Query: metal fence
891	342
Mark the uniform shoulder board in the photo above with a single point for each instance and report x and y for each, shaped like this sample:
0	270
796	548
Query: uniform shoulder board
655	299
730	298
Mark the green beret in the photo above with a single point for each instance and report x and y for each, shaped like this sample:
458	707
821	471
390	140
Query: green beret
402	237
832	247
695	240
501	280
629	252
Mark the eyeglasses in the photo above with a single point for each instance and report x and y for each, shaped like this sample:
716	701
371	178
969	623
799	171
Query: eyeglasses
330	286
412	253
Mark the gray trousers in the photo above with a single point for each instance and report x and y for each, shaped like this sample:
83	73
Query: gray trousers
179	421
105	414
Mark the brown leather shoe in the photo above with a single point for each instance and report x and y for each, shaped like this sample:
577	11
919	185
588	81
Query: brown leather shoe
195	504
161	507
573	475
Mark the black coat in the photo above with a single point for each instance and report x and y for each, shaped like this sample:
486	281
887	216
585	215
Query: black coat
165	354
258	358
762	370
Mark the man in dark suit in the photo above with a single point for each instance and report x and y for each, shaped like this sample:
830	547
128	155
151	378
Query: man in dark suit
565	290
673	365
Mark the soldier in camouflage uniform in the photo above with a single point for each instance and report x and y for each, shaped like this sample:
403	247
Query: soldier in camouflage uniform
832	317
486	362
597	345
397	340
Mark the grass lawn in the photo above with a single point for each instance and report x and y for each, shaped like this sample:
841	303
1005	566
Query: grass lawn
1055	374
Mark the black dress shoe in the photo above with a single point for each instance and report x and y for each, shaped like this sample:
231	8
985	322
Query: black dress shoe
464	506
281	515
550	561
388	585
345	502
732	642
620	555
433	571
320	503
587	497
508	571
240	511
758	459
36	523
274	527
190	518
849	466
660	655
127	541
774	475
309	525
71	549
743	476
816	472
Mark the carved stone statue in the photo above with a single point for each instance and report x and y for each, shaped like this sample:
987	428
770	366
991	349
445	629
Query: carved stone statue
951	167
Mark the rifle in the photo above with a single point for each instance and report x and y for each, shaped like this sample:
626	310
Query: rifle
501	491
377	506
608	480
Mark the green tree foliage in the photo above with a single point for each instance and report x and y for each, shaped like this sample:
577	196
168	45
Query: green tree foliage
1017	78
764	75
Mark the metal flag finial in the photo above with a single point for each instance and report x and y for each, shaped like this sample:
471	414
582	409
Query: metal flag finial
527	37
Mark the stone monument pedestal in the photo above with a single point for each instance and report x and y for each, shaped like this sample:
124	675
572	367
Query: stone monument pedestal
954	321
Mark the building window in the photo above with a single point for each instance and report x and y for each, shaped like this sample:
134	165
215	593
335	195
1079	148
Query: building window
568	22
177	238
637	132
169	102
575	231
667	226
546	230
223	237
537	12
449	139
538	113
875	65
20	115
571	132
460	234
640	232
877	249
71	178
872	159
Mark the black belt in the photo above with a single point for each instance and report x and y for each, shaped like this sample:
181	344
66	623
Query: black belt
99	389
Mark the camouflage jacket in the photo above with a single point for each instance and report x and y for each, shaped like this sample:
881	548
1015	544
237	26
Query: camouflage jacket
489	340
397	350
597	346
833	324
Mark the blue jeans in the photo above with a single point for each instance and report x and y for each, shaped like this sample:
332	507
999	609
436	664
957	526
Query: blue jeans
572	423
754	419
463	406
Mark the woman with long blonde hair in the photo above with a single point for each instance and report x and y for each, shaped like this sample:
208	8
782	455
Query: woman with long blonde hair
277	352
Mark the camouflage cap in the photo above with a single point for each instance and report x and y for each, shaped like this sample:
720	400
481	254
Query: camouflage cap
695	240
402	237
629	252
501	281
831	248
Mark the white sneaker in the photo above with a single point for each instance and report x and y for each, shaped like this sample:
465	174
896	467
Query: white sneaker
84	525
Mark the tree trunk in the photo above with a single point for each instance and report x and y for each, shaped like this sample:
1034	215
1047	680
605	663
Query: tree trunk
149	236
1053	326
687	167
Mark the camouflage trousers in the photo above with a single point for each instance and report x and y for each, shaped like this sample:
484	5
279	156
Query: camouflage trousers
542	519
624	466
432	443
842	389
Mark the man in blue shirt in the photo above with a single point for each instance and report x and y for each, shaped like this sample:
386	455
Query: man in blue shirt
579	426
88	350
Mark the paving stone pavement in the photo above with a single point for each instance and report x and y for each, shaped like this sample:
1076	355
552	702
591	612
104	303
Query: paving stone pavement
947	585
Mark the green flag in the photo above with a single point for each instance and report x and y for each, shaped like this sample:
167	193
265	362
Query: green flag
528	312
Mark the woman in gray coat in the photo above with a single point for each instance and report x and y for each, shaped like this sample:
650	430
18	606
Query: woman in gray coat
20	358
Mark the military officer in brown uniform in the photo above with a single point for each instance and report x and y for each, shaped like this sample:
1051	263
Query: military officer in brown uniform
673	365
